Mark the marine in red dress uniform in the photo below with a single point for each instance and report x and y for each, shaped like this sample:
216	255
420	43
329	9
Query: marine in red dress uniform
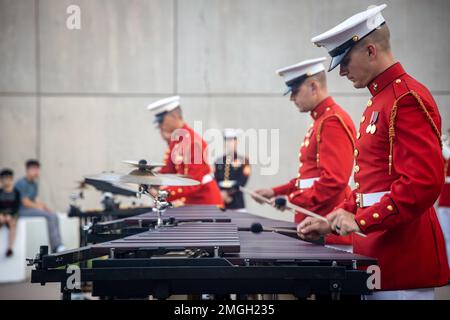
186	155
325	156
399	166
402	228
326	162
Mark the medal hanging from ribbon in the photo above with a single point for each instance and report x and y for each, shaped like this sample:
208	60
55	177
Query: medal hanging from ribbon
372	128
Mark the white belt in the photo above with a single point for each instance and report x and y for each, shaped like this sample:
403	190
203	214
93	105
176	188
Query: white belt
207	179
305	183
369	199
447	179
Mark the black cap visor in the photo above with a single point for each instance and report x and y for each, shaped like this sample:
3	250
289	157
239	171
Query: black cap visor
295	83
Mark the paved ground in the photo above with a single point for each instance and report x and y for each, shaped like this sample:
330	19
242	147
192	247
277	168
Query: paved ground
31	291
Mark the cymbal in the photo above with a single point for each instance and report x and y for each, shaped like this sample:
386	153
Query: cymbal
159	180
145	178
106	186
142	164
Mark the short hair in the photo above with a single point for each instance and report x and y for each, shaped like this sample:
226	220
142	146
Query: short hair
32	163
6	173
380	36
320	77
178	111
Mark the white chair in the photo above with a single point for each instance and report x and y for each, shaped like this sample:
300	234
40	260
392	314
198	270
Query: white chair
31	234
13	269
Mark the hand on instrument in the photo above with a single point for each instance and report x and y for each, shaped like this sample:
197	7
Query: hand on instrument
343	222
226	197
177	203
266	193
312	229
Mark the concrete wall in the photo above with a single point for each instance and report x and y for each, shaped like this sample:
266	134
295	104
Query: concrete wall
75	98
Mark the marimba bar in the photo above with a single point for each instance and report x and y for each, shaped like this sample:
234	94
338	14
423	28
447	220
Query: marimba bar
274	248
182	214
204	236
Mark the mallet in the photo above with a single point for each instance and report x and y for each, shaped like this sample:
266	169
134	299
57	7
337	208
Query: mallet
257	227
292	207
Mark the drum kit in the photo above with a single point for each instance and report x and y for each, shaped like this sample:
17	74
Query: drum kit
147	183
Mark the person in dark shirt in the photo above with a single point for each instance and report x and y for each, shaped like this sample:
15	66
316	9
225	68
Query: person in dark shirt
231	172
9	206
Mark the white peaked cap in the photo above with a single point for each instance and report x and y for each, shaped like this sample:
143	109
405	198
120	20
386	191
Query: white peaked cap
230	133
164	105
341	39
161	107
294	75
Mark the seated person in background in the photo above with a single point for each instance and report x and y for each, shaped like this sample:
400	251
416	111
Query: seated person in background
9	206
32	207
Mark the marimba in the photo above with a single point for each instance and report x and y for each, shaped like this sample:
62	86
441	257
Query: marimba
88	217
191	236
201	249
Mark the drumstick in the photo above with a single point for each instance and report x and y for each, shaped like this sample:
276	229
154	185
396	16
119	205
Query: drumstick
292	207
288	205
255	195
258	228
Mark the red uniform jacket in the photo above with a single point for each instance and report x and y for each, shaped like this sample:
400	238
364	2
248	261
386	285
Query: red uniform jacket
326	154
403	157
187	156
444	199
